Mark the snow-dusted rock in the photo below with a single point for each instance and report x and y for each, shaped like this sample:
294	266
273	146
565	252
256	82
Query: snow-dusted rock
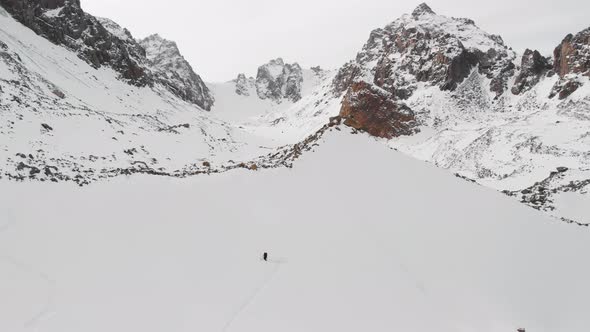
174	72
277	80
532	68
429	48
243	85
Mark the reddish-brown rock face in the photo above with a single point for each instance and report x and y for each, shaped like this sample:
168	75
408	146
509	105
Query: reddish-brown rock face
371	109
572	57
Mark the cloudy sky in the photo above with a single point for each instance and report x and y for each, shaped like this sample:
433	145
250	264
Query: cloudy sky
222	38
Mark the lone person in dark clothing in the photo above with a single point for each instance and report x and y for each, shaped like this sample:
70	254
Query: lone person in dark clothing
265	257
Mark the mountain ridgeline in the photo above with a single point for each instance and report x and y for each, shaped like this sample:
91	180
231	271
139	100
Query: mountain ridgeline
101	42
425	49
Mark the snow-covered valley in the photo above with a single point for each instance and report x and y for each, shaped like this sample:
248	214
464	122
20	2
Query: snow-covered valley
153	254
392	193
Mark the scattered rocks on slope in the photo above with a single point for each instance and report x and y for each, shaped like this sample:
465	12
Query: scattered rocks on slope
540	195
175	73
371	109
277	81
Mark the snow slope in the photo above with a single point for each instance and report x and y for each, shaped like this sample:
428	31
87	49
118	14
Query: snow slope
402	247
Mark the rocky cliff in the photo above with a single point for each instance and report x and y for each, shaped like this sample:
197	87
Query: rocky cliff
572	60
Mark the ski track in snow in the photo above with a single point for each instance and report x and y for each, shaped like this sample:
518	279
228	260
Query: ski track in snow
255	294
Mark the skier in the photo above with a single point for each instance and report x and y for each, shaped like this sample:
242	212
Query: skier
265	257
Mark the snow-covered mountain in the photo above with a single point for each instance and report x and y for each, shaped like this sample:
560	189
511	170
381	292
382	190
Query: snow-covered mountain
174	72
322	169
473	106
452	94
83	100
62	119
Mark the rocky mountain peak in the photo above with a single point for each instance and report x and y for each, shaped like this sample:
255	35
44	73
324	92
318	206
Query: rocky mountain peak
416	52
63	22
276	62
115	29
102	42
422	9
428	48
277	80
175	73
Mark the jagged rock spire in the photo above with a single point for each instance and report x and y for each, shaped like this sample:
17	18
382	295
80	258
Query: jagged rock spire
422	9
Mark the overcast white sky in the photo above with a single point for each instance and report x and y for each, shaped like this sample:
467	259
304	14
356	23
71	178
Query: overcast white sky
222	38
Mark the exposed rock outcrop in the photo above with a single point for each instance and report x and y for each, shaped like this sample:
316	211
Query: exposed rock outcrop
572	59
174	72
277	80
572	56
371	109
533	66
